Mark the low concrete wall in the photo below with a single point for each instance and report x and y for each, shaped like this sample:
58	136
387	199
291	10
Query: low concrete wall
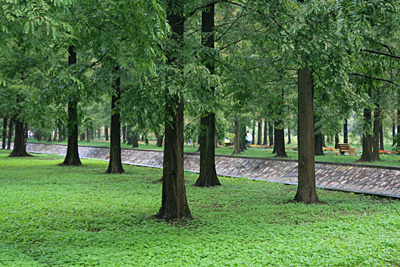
345	177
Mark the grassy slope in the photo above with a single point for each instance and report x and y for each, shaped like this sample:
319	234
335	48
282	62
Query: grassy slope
64	216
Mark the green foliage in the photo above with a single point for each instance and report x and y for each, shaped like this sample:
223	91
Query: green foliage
78	216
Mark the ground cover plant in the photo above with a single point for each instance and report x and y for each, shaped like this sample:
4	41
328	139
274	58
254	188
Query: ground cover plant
79	216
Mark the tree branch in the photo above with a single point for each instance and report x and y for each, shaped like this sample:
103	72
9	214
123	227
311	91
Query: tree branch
373	78
380	53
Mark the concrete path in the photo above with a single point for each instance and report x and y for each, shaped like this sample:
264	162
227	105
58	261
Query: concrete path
375	180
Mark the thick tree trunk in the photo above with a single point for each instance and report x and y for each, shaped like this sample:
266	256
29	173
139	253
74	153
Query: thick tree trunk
72	157
306	190
174	205
4	141
10	132
259	134
265	143
208	174
345	132
115	163
19	149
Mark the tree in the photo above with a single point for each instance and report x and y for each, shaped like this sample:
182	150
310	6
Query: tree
72	156
208	175
174	205
115	163
306	190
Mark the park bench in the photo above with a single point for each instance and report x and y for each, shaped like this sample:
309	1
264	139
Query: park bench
346	148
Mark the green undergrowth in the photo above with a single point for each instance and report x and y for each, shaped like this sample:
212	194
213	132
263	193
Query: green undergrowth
79	216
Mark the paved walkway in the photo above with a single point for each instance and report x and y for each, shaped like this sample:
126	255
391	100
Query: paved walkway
346	177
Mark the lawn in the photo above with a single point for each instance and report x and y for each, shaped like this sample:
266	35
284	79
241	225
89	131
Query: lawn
79	216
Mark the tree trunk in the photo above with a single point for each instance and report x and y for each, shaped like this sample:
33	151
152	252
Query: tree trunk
55	135
10	132
366	155
106	133
259	134
306	189
130	136
336	141
289	137
393	131
61	133
208	174
135	140
279	147
318	139
160	139
237	140
115	163
174	205
19	149
375	140
72	157
265	143
253	133
345	132
3	143
381	144
124	135
271	133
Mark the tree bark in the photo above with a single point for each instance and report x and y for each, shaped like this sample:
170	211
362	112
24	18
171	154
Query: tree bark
19	149
345	132
174	205
318	139
160	139
115	163
106	133
306	189
4	141
336	141
279	147
393	131
61	133
10	132
208	174
259	135
265	143
381	143
375	140
289	137
72	157
366	155
271	133
253	133
237	140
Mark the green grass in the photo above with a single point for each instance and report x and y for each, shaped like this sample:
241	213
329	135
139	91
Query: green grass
79	216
